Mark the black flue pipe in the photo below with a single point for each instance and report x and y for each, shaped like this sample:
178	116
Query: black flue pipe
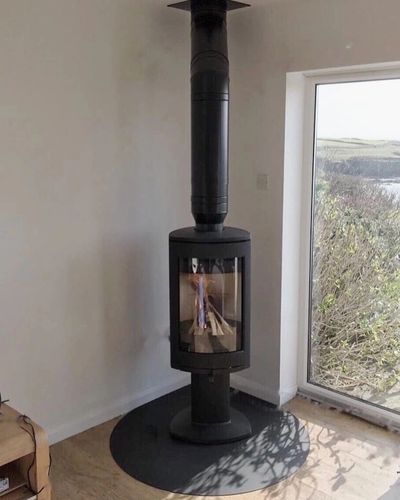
210	110
210	113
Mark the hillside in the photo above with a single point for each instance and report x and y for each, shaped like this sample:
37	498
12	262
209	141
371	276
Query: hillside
367	158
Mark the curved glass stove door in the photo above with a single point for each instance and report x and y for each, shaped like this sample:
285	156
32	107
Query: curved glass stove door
210	302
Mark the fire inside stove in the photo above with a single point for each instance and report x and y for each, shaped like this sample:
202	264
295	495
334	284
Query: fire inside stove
210	293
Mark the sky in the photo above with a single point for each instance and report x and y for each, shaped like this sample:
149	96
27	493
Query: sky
362	110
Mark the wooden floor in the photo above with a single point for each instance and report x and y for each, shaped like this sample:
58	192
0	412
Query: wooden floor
349	459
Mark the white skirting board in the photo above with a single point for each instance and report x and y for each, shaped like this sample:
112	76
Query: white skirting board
286	394
127	404
115	409
254	389
263	392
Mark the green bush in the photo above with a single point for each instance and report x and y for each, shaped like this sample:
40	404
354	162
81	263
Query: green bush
355	337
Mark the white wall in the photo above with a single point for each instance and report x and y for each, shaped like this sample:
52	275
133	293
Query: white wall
267	42
94	173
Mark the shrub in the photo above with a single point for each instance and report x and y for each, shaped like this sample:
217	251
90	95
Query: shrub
355	336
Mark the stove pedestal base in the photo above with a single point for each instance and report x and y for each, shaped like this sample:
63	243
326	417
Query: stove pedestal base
184	429
210	419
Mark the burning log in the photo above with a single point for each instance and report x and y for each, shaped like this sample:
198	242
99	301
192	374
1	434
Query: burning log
207	319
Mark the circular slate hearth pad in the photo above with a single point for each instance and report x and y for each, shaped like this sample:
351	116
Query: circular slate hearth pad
142	446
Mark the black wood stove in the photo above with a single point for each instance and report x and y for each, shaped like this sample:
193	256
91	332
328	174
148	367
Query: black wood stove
210	263
210	321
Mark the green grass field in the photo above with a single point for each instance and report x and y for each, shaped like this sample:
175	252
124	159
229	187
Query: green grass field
365	158
345	149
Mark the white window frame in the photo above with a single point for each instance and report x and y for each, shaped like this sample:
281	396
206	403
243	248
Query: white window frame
311	80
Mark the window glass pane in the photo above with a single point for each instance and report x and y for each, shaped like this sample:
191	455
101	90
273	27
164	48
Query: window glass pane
355	292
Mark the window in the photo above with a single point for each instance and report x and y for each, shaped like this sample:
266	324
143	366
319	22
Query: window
353	324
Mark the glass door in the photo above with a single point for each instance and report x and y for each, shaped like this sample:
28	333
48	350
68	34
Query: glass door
354	275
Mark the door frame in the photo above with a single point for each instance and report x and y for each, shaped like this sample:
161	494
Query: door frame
352	404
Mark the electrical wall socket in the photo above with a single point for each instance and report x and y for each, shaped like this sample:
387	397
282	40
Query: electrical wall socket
262	182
